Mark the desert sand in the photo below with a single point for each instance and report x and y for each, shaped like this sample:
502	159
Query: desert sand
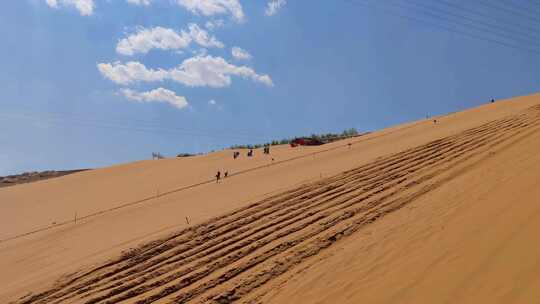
424	212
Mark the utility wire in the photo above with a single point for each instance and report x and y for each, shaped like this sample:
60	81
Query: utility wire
153	130
124	122
506	10
440	26
522	6
486	25
444	18
523	28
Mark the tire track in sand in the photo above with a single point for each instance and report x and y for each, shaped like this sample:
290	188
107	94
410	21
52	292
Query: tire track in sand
229	257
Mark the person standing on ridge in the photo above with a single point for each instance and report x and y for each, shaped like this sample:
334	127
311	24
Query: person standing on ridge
218	176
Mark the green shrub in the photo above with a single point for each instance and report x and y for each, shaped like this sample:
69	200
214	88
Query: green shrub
328	137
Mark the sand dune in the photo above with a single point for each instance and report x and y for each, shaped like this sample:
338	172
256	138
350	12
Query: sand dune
418	213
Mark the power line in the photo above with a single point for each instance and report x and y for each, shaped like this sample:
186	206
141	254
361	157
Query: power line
442	26
523	28
522	6
514	12
117	120
438	17
533	39
153	130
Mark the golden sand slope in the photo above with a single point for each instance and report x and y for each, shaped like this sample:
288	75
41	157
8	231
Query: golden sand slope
420	213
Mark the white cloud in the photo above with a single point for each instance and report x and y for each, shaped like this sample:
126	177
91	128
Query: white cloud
198	71
202	37
139	2
240	53
214	24
274	6
155	38
162	38
214	7
213	72
129	72
212	102
157	95
85	7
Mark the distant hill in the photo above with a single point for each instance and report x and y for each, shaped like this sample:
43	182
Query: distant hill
28	177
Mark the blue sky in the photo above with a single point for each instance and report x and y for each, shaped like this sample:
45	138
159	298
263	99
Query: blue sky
90	83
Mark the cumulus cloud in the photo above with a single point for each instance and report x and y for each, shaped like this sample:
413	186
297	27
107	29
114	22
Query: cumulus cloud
146	39
202	38
240	53
274	6
212	102
213	72
130	72
214	7
139	2
197	71
85	7
157	95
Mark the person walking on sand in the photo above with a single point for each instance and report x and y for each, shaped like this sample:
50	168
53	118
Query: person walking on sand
226	174
218	176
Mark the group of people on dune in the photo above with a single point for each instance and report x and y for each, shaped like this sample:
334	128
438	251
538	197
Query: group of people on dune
236	154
